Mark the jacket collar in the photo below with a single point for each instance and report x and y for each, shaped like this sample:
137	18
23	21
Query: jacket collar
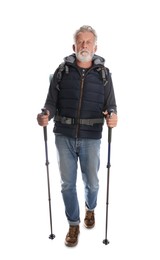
97	60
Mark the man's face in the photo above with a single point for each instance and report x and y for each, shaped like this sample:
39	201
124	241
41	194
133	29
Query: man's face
85	46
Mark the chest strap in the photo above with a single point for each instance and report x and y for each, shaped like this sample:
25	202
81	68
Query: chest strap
74	121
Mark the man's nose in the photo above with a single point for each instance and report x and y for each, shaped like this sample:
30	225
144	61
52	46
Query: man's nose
84	44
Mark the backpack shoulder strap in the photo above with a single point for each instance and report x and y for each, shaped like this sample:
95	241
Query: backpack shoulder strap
59	73
104	71
60	70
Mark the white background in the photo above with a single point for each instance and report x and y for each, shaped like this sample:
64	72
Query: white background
34	38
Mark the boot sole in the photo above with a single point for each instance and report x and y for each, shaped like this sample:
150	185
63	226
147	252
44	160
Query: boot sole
70	244
89	227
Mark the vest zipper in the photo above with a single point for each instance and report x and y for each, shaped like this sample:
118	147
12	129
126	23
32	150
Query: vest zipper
79	106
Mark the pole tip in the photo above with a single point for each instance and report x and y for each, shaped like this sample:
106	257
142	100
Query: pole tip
105	241
52	236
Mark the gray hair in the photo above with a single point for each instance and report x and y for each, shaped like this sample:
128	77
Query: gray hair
85	28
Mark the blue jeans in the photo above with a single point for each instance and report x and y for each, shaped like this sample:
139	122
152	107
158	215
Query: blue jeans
87	151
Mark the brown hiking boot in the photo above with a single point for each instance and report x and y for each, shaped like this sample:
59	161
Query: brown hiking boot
72	236
89	220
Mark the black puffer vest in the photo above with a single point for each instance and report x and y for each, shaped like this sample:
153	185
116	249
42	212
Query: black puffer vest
81	96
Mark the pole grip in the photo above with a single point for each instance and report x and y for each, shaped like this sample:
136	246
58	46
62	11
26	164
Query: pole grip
45	133
109	134
109	128
44	112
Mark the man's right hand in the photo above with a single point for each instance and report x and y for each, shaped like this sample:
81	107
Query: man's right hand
43	119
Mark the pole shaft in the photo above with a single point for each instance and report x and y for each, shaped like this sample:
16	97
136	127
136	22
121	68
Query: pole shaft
48	180
49	197
105	241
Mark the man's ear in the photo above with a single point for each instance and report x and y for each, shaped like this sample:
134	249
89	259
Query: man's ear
73	46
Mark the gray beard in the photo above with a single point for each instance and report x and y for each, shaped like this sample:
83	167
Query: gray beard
84	58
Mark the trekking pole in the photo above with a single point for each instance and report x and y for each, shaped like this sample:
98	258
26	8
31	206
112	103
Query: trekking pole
44	112
105	241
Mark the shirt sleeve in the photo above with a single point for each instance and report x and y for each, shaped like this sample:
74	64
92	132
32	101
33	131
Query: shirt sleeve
110	100
51	99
